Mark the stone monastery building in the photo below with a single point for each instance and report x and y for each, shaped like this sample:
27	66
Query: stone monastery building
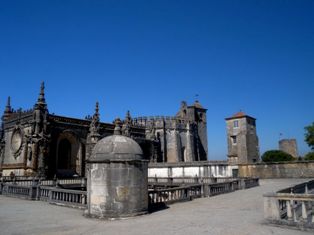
36	143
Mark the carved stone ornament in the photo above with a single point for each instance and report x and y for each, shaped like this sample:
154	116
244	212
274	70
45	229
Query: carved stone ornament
16	142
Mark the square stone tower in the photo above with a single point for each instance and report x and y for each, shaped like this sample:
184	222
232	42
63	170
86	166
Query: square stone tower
242	139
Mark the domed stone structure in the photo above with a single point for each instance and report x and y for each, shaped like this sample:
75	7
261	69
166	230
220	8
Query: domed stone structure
117	179
117	147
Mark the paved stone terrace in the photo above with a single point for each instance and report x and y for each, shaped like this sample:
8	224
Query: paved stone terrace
237	213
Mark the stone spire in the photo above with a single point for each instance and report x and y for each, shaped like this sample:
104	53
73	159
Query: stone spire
94	125
41	98
7	110
93	135
126	127
40	113
96	114
128	117
8	106
97	109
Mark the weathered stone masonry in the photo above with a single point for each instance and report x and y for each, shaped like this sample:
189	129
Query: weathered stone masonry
37	143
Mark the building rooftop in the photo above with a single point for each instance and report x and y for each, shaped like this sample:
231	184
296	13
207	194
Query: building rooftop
239	114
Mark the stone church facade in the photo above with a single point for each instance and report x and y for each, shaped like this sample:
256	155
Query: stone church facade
36	143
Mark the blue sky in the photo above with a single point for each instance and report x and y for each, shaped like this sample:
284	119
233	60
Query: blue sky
147	56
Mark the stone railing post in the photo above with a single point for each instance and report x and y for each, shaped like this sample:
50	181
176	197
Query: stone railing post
289	210
33	189
38	189
242	183
271	207
195	179
1	185
304	212
231	186
50	196
84	182
54	184
205	190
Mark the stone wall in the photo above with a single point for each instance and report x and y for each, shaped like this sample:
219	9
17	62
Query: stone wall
191	169
300	169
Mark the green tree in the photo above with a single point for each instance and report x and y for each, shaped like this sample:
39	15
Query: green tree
309	135
276	156
309	156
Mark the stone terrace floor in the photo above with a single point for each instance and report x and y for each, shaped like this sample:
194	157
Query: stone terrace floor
237	213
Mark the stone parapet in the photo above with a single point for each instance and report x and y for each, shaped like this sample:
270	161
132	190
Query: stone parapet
297	169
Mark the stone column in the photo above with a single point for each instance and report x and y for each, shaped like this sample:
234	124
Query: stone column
173	144
271	207
189	156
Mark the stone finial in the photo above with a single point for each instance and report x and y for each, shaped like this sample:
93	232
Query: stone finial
183	104
97	108
117	129
127	123
41	97
8	106
96	114
9	102
7	110
94	125
128	117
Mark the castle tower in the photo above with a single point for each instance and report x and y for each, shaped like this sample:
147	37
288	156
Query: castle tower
242	139
196	115
289	146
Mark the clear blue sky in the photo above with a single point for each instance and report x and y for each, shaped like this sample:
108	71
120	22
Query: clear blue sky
147	56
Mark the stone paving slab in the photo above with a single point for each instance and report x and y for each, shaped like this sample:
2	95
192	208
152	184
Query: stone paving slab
237	213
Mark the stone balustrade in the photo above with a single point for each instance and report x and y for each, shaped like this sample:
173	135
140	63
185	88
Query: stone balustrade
186	180
44	193
162	190
193	188
66	197
17	191
293	206
171	195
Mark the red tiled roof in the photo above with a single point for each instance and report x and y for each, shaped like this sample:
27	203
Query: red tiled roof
240	114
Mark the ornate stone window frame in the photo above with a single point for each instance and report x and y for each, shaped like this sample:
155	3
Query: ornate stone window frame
16	141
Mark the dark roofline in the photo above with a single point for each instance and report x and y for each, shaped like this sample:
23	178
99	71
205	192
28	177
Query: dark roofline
244	116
